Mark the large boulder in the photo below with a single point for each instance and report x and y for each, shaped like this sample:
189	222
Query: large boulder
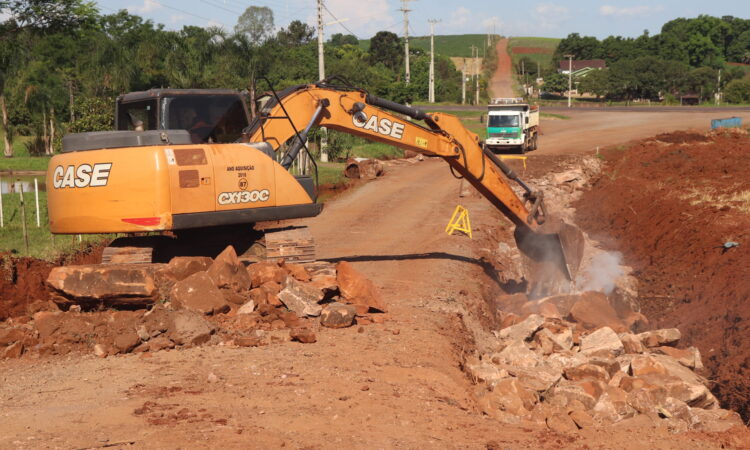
593	310
522	331
657	338
357	289
227	272
602	342
181	267
111	284
189	328
264	272
338	315
198	293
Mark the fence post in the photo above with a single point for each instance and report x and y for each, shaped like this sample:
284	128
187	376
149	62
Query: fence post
23	219
36	200
2	222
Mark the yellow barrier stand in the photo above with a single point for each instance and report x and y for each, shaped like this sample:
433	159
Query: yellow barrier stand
459	222
522	158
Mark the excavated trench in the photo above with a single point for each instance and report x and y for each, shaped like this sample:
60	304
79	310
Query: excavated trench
676	206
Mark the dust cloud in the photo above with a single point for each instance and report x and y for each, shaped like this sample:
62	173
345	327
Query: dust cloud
601	273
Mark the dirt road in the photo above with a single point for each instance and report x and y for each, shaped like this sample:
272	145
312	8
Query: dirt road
501	84
585	129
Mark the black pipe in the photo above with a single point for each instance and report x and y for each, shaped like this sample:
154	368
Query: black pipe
299	142
414	113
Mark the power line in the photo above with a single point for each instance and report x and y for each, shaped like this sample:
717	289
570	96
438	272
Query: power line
337	19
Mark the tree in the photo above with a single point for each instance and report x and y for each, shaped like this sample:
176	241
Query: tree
557	83
257	23
737	91
338	39
47	15
386	48
596	82
296	34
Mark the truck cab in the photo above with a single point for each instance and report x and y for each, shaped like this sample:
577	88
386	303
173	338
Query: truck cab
511	124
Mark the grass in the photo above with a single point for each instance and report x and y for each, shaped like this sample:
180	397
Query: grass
21	159
544	60
42	244
709	196
458	45
553	116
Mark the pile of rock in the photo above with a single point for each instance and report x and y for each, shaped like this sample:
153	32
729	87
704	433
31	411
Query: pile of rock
571	372
191	301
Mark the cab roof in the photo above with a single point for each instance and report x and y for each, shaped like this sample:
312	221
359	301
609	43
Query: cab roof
157	93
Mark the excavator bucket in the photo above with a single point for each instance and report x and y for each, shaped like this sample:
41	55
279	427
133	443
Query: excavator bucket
552	254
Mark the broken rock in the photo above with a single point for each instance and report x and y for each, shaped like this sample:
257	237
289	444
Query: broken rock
357	289
112	284
198	293
656	338
189	328
264	272
300	298
181	267
228	272
303	335
593	310
522	331
602	342
338	315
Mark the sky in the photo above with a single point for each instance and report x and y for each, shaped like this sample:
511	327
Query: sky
627	18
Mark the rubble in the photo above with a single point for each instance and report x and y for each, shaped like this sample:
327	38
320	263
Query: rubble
188	302
578	372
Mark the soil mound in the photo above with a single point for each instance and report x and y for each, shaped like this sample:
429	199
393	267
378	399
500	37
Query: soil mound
679	215
22	280
681	137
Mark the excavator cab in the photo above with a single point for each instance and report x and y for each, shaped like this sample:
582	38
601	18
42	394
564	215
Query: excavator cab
215	116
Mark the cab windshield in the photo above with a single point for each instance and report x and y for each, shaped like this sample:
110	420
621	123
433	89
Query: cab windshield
208	118
503	121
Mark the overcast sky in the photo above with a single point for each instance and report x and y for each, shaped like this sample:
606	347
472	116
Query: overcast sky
512	18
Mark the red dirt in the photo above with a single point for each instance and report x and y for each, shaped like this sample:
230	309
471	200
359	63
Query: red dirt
532	50
22	280
643	207
501	84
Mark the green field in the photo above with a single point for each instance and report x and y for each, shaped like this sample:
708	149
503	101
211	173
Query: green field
21	159
543	60
41	241
449	45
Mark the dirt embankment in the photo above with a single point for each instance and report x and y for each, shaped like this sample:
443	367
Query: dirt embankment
22	280
676	206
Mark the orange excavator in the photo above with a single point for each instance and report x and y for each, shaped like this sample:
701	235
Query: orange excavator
209	184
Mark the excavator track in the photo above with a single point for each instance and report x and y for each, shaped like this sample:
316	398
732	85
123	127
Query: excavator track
292	245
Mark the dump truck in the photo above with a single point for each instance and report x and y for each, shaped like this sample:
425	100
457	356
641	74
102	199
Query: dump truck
512	124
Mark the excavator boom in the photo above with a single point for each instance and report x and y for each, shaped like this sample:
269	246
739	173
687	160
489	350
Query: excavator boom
292	112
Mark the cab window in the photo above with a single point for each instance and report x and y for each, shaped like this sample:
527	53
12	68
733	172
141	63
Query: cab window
137	115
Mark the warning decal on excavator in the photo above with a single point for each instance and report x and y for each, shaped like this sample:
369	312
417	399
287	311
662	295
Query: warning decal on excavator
422	142
383	126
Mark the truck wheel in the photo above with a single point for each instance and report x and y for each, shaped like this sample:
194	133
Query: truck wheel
534	145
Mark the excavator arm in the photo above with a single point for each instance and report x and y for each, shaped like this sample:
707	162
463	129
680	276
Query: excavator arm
292	112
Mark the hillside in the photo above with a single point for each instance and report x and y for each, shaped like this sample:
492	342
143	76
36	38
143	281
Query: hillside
458	45
537	49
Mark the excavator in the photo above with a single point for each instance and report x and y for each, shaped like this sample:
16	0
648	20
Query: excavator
161	180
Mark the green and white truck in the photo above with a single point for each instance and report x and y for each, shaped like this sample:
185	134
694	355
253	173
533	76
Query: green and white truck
512	124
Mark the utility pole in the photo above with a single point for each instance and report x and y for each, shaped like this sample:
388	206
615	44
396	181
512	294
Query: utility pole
475	74
718	89
570	76
431	94
463	83
406	10
321	55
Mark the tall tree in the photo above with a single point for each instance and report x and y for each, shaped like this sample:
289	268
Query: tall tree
387	48
297	33
257	23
